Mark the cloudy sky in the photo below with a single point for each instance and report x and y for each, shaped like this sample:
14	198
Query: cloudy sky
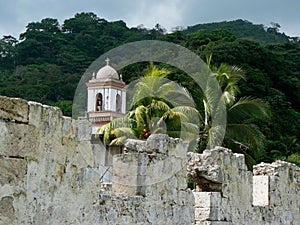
15	15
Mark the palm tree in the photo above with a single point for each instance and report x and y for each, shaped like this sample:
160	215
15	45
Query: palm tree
228	78
242	134
157	105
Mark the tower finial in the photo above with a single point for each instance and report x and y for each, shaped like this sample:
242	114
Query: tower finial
107	61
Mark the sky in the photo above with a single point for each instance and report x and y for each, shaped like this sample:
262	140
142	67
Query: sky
15	15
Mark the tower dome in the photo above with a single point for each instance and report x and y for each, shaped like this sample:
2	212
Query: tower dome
107	72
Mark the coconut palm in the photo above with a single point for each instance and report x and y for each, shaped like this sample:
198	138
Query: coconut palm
242	134
228	78
157	105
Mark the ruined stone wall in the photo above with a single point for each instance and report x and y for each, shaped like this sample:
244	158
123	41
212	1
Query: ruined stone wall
149	185
229	194
47	166
51	173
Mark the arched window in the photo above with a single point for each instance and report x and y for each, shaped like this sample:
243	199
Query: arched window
99	103
118	103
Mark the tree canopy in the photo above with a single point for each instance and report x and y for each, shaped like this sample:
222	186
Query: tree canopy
47	61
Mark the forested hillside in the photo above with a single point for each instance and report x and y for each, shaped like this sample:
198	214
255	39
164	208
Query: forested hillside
46	62
246	30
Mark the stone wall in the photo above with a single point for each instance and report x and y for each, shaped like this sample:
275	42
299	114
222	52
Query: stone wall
47	166
149	185
52	173
229	194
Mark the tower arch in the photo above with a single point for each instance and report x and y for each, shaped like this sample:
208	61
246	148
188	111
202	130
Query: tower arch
118	103
99	102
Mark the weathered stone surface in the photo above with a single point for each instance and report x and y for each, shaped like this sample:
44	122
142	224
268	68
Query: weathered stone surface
7	211
270	197
125	172
158	143
14	109
207	199
134	145
83	130
12	171
50	173
204	166
17	140
275	168
52	169
261	190
158	175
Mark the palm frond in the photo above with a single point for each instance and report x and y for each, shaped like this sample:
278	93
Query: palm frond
142	117
235	147
212	96
228	78
102	129
120	141
248	134
190	113
248	108
124	132
124	121
189	131
175	94
154	71
106	131
216	135
157	105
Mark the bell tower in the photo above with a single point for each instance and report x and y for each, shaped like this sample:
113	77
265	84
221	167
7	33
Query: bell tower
106	96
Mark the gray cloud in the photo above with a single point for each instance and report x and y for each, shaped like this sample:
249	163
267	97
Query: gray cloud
286	13
15	15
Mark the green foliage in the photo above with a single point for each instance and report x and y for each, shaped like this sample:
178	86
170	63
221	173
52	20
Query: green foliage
242	134
245	30
65	106
158	106
294	158
208	38
289	149
47	61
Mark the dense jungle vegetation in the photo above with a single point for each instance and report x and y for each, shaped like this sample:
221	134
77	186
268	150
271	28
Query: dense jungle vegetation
46	62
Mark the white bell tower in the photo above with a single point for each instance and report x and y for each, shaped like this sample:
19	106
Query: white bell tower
106	97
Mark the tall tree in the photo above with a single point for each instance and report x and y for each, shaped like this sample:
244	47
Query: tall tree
8	52
242	134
